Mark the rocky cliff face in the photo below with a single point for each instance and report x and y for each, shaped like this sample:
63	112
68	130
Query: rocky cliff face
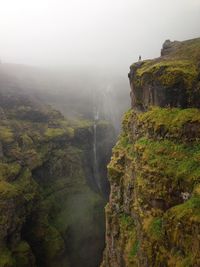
172	80
153	215
51	211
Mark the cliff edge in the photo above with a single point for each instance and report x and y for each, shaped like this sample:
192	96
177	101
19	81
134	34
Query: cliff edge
153	215
172	80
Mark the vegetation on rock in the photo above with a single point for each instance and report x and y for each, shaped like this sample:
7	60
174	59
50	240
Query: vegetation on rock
171	80
46	193
152	219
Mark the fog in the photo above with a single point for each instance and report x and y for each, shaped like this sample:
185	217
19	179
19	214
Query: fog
72	56
106	34
81	50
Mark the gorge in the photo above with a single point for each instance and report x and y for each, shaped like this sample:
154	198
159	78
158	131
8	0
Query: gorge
55	148
53	182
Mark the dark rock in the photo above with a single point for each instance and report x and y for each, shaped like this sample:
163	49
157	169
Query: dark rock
169	47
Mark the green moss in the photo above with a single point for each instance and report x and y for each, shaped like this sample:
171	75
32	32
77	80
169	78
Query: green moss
7	190
81	124
156	229
6	259
181	65
135	248
53	243
52	133
126	221
123	148
159	152
127	120
61	202
181	225
26	141
188	262
184	66
172	119
32	158
23	255
127	237
190	210
176	161
161	164
115	171
67	126
27	186
22	247
196	191
9	171
6	134
168	74
124	141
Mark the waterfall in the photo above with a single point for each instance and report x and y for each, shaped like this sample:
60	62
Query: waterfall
96	171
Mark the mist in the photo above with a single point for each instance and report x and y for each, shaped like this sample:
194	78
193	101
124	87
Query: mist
79	52
64	90
107	34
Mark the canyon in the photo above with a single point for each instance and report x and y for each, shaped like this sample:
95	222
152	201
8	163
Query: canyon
54	178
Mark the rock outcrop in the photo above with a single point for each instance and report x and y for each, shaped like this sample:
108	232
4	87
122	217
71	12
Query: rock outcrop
173	80
153	214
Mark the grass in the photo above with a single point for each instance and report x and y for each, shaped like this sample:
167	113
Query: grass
181	65
156	228
172	119
179	162
188	50
190	210
135	248
167	72
185	66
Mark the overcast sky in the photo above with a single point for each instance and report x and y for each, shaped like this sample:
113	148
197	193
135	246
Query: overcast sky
103	33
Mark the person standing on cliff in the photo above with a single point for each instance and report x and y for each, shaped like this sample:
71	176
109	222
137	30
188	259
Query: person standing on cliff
140	58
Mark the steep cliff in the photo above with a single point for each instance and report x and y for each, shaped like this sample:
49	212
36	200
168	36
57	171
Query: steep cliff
171	80
153	215
51	210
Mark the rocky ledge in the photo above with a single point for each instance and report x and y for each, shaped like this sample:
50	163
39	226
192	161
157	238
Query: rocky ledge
172	80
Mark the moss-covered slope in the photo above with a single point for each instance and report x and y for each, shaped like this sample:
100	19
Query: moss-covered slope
51	213
153	215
